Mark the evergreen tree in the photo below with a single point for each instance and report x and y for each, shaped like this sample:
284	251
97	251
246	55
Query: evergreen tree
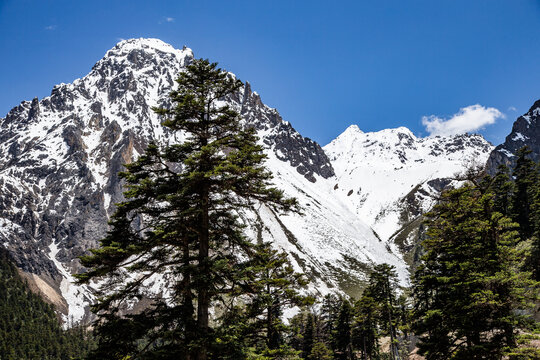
342	333
29	327
468	289
276	286
382	289
309	337
526	179
533	262
365	332
295	336
320	351
503	190
330	307
180	220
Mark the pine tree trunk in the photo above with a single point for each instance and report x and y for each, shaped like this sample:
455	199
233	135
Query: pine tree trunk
187	298
203	300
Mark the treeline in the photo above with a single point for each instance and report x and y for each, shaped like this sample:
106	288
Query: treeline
29	327
376	326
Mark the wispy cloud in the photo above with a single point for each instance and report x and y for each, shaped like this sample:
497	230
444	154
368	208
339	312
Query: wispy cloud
167	19
50	27
512	108
468	119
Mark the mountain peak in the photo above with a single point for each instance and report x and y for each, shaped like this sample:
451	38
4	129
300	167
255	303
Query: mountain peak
147	44
59	160
402	130
375	171
535	107
525	132
145	51
353	129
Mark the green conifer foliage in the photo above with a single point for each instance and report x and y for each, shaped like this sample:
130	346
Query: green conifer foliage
469	289
275	286
526	179
342	333
365	332
320	351
330	307
382	289
309	337
29	327
180	220
533	262
503	191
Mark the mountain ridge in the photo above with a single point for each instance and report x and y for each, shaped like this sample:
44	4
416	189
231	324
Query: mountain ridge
363	194
377	170
60	156
525	131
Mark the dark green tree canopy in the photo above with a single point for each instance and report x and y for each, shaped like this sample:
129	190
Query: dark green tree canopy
470	294
181	221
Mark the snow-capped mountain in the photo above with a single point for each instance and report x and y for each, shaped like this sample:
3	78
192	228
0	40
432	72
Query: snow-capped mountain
388	178
525	132
59	159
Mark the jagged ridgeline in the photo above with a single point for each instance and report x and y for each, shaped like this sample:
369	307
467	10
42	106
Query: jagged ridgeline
525	132
391	177
60	156
29	327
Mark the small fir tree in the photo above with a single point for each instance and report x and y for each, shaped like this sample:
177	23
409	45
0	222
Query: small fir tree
365	332
320	351
309	337
526	179
382	289
342	333
276	287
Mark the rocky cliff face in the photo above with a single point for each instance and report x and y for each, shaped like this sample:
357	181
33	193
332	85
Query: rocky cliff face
525	132
59	159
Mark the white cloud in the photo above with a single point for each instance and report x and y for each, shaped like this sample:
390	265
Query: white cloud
50	27
512	108
166	19
468	119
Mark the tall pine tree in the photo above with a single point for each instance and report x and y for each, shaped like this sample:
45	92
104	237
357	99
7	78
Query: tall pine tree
382	289
180	221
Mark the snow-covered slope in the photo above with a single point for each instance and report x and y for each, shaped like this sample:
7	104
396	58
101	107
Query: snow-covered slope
387	177
59	159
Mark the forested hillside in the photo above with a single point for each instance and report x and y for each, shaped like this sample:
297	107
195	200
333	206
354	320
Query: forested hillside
29	327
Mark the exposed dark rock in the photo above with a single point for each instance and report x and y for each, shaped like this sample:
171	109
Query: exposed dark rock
525	132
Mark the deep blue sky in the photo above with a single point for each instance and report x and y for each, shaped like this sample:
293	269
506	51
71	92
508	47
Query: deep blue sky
323	64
